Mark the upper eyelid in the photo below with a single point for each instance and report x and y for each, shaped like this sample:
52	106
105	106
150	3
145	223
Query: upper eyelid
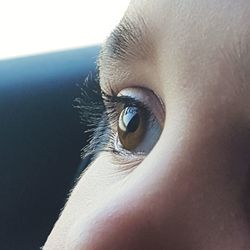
147	99
113	100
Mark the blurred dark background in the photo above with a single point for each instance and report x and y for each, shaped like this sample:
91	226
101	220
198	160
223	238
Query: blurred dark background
40	141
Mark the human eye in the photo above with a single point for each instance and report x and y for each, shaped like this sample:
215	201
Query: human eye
126	125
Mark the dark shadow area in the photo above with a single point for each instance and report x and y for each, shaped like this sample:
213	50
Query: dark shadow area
40	141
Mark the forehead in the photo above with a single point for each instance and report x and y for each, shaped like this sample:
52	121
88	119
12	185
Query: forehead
160	11
179	39
169	22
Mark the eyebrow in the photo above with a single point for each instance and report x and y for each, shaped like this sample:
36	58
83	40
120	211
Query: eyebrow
129	40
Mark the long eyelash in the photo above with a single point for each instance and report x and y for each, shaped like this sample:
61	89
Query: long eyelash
99	111
91	110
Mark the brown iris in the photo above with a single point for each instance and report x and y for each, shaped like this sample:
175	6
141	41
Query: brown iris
131	127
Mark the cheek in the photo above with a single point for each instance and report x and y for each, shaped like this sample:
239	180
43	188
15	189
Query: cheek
97	183
187	194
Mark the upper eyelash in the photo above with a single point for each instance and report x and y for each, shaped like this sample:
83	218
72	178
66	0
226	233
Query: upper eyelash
99	111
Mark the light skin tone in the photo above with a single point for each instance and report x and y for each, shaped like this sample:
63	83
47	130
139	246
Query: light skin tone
189	63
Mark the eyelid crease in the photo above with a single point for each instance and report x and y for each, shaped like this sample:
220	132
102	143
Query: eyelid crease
124	100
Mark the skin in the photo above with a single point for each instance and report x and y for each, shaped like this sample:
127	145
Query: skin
192	191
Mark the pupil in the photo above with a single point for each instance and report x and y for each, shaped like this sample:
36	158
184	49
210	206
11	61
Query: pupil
133	124
131	119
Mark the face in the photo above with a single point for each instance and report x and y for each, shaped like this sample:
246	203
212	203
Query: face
174	172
